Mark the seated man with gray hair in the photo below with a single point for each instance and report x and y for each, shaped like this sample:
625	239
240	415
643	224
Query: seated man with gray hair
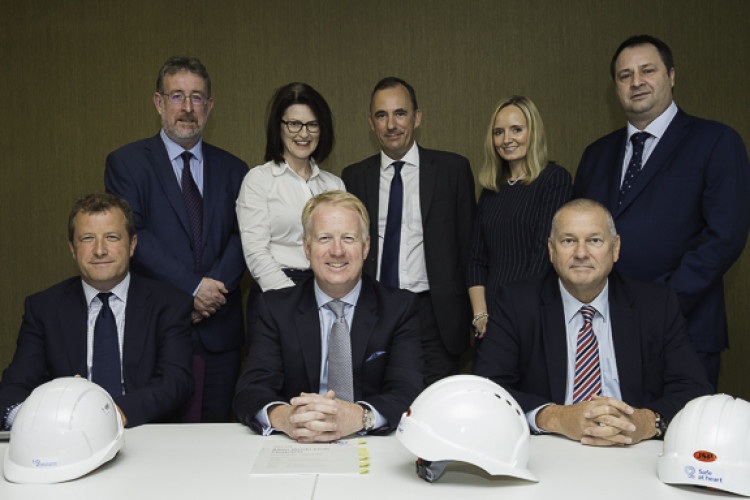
587	352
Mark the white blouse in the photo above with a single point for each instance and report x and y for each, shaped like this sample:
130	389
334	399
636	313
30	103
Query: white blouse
269	212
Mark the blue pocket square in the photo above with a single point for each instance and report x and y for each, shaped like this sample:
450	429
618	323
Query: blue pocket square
374	355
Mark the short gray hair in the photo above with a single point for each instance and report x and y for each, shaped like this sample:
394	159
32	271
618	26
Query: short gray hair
581	204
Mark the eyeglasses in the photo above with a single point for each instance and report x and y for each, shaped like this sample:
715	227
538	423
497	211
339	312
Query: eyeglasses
196	99
294	126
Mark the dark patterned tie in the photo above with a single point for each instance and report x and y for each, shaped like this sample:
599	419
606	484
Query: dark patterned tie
194	206
588	379
105	369
340	378
635	165
392	239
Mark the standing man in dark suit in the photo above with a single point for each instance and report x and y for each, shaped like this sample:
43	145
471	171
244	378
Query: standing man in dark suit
131	335
678	188
422	204
187	228
339	353
586	352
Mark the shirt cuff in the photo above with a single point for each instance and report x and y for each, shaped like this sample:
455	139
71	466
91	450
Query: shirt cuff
531	419
262	418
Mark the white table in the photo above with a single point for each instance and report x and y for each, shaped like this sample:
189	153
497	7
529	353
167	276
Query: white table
213	461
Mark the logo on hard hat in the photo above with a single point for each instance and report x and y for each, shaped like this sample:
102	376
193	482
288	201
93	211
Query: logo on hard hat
704	456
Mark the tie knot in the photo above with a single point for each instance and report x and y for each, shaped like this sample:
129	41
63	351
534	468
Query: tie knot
397	166
104	297
186	155
639	139
588	313
337	307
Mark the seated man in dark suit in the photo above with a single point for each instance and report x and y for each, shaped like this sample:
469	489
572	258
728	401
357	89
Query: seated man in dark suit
305	374
128	334
587	352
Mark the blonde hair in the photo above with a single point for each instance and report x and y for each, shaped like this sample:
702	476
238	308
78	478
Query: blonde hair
495	170
339	199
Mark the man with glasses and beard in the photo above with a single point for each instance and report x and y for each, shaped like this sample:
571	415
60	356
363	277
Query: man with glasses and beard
183	194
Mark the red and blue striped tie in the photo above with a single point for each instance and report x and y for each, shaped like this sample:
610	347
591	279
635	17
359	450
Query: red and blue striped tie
588	376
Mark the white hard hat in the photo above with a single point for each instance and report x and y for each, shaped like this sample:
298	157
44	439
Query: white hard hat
708	444
66	428
469	419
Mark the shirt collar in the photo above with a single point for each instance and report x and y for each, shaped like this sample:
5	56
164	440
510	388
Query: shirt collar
410	158
279	169
657	127
350	298
120	290
571	305
174	150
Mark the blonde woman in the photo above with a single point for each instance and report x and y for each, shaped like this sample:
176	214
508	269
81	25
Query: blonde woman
522	191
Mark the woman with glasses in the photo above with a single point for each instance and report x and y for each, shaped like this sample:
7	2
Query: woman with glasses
522	191
299	136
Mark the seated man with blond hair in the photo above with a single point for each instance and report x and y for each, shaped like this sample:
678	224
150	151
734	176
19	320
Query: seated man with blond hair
339	353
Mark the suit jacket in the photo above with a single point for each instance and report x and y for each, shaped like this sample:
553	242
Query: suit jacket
448	203
686	218
156	353
525	347
142	173
284	358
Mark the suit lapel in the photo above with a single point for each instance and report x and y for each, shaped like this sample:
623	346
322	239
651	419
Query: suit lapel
673	136
554	337
210	188
616	157
156	152
372	198
74	326
427	178
365	316
307	322
137	315
626	338
363	324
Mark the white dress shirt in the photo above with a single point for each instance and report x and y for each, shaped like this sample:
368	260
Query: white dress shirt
412	268
656	128
269	212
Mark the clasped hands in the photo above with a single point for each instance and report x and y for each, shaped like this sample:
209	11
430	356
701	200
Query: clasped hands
312	418
209	299
602	421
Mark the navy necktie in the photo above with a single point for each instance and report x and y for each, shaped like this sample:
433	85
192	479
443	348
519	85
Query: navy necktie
392	240
635	165
105	369
194	206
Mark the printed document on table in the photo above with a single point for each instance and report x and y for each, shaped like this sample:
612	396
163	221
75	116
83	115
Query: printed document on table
347	456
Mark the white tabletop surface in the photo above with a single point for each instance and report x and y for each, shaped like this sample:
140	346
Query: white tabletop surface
213	461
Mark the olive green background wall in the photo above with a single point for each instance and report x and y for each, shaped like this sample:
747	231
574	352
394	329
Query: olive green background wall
77	79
